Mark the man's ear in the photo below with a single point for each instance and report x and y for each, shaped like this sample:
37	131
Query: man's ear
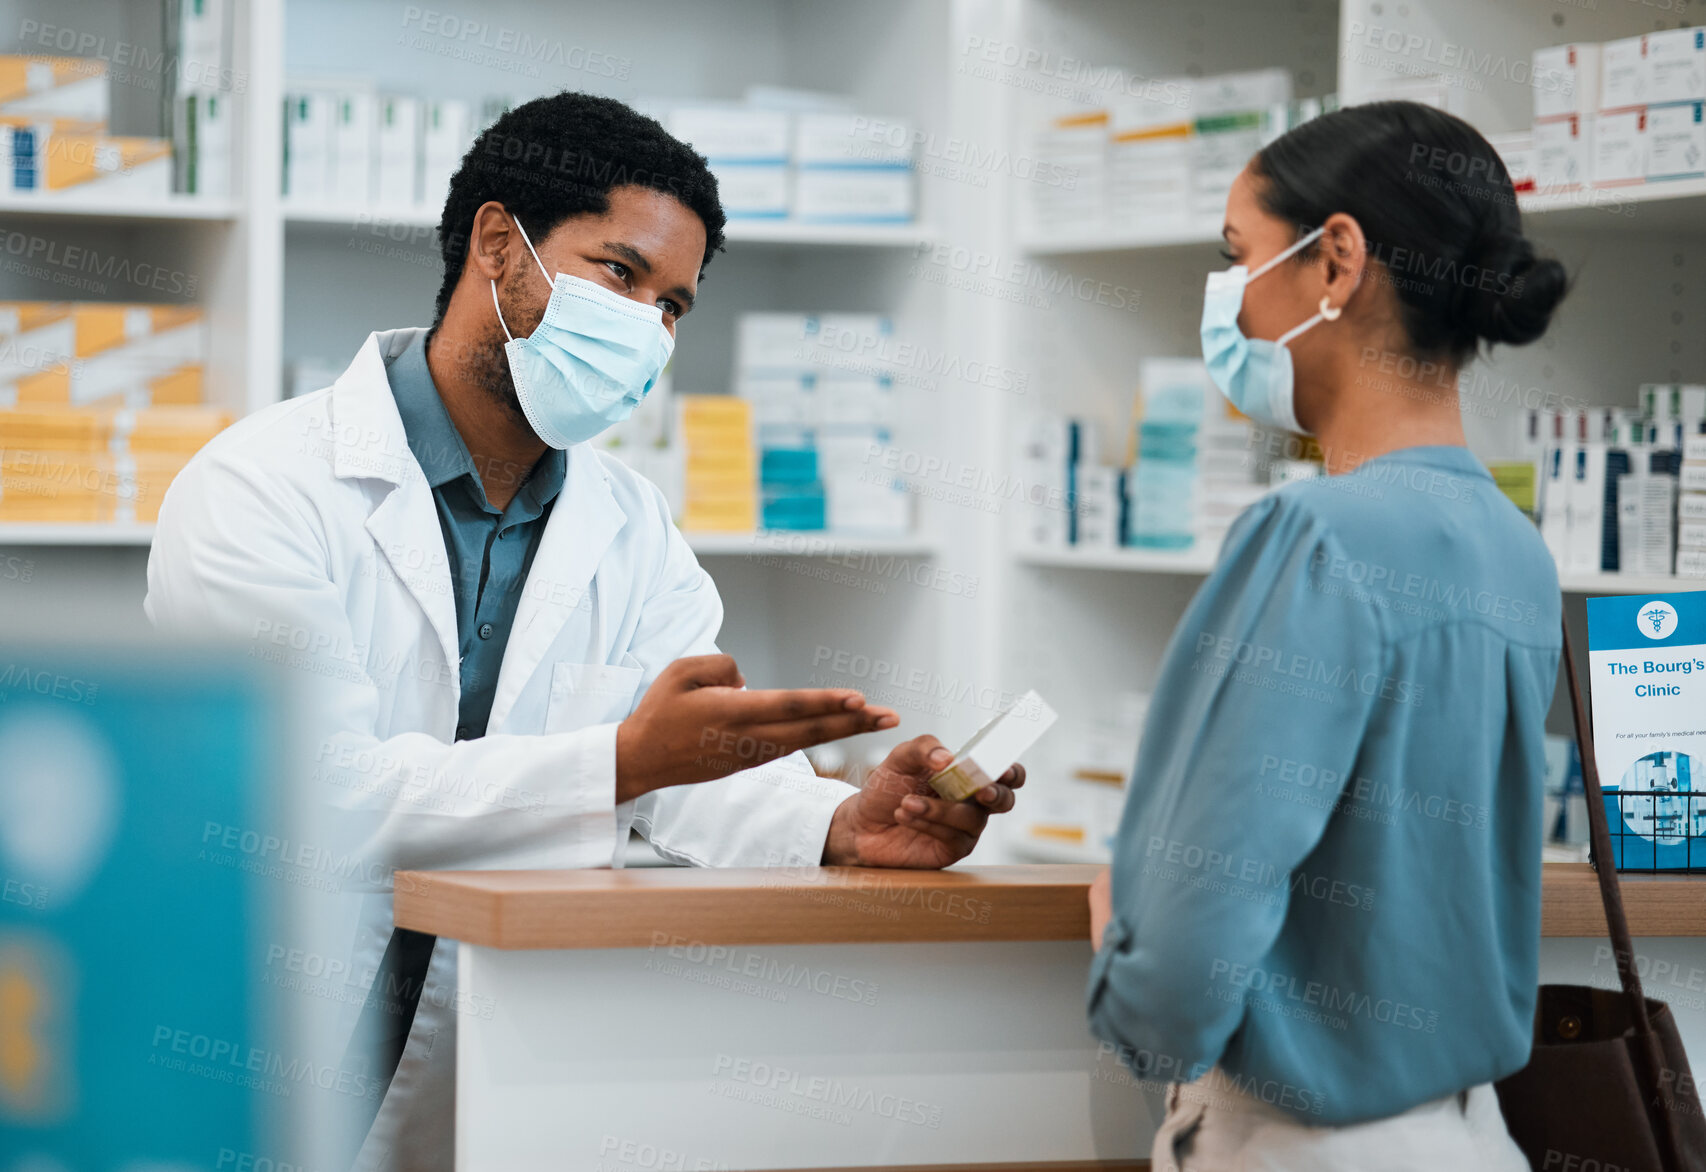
1344	256
491	240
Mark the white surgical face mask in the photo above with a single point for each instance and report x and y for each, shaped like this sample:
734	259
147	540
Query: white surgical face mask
589	362
1253	373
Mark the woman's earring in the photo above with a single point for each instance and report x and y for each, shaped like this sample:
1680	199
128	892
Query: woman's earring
1328	313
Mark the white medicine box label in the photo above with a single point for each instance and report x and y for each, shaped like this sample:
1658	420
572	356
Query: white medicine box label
1647	672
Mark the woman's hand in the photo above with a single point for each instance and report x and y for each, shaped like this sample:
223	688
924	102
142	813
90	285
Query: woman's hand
1101	906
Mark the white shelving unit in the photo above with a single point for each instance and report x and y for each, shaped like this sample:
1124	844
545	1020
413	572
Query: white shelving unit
958	603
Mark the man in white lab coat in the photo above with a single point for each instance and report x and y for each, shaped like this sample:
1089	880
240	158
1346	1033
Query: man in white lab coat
510	648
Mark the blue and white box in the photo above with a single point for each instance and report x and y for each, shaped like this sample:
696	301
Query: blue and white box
1647	673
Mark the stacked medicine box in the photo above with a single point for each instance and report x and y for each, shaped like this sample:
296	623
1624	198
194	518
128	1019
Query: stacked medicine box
718	491
1190	469
825	422
823	165
1620	114
100	407
1613	488
1162	156
54	138
55	112
347	144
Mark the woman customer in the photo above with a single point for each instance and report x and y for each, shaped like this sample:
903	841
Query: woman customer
1323	917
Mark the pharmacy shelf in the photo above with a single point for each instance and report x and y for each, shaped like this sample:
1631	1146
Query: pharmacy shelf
806	545
191	209
1677	205
16	533
359	215
1198	559
738	231
1628	583
1194	236
829	235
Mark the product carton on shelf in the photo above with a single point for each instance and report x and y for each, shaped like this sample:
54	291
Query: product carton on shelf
396	156
1620	147
1675	65
447	131
1563	153
748	151
1565	80
66	91
719	480
85	353
1676	141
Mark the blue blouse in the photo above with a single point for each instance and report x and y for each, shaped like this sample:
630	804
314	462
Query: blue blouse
1327	877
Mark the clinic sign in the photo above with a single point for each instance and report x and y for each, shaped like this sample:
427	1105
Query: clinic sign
1647	673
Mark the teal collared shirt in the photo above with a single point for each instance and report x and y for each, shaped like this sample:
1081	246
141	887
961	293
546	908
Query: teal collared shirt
490	551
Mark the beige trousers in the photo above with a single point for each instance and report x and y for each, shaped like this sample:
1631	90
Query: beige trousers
1212	1126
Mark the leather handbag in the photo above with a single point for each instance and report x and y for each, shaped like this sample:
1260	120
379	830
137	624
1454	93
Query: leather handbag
1607	1084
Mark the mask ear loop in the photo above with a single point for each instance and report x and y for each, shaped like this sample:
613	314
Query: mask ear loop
1325	311
542	272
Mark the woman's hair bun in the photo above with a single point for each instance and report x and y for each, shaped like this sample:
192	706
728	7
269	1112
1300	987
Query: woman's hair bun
1507	293
1436	205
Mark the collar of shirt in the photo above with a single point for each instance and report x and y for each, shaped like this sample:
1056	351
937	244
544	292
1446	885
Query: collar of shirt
440	451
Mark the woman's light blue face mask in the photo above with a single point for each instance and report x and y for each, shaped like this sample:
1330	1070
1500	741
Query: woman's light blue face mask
1253	373
594	355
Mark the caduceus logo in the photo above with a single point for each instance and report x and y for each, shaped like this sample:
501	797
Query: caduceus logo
1657	619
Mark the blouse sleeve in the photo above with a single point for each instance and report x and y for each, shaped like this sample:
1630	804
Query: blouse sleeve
1270	678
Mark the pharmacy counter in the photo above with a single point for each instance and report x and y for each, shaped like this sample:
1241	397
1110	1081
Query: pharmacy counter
790	1018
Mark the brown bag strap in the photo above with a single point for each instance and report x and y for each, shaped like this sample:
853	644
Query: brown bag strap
1611	895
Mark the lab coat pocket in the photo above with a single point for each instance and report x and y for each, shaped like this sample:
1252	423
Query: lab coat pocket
584	694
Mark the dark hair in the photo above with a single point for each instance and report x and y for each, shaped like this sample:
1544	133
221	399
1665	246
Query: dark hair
1436	205
560	156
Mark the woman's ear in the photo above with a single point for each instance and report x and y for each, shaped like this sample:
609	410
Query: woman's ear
491	240
1344	257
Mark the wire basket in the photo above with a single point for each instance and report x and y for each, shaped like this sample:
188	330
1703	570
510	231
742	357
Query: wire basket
1661	827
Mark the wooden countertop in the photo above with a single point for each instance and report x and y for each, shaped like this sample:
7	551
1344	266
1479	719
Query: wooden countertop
852	905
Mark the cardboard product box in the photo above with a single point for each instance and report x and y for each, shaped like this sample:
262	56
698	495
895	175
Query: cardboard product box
879	195
1563	153
396	158
1228	93
1565	80
204	37
1691	563
1676	65
851	140
202	143
867	503
104	167
354	133
176	431
1676	141
851	399
1077	145
1620	148
732	133
752	190
308	147
57	429
447	132
773	341
1221	145
80	352
48	485
1521	158
69	91
995	748
1623	76
1149	176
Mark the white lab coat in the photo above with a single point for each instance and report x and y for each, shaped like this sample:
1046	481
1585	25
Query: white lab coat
309	531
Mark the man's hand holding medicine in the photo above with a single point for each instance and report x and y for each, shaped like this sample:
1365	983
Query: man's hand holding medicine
897	820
